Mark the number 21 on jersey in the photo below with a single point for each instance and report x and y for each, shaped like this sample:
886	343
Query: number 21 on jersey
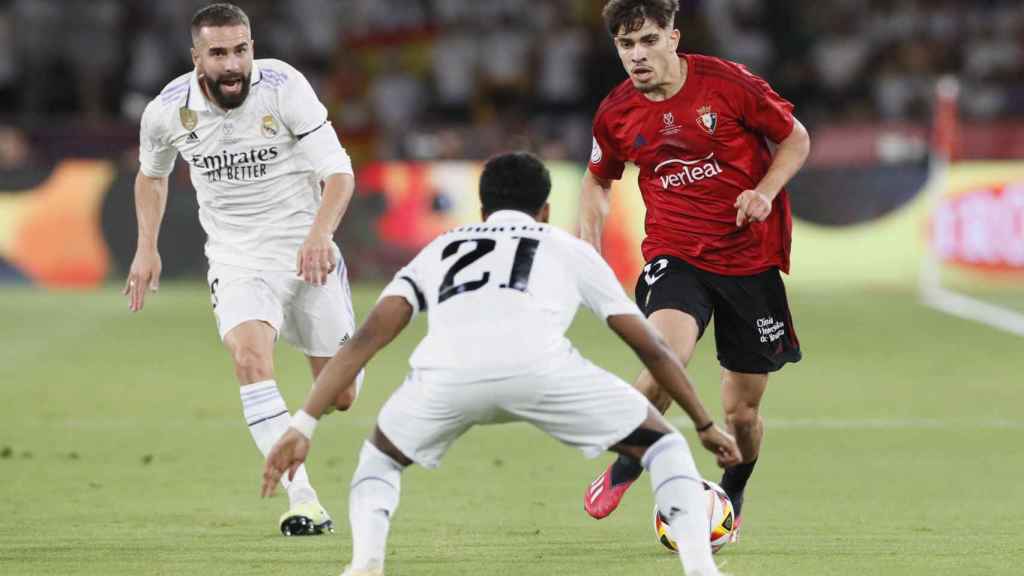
519	275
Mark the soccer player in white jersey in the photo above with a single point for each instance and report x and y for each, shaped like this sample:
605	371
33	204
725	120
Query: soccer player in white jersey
272	182
499	298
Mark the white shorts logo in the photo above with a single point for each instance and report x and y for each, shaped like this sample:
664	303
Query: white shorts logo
596	155
655	270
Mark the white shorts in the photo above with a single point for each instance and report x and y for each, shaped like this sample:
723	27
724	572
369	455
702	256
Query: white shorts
576	402
315	319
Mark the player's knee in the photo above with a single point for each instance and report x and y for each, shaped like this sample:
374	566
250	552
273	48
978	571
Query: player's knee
743	418
650	388
252	365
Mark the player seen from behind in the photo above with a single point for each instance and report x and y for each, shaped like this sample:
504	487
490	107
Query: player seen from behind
499	297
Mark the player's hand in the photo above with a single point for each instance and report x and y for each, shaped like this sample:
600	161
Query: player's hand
722	445
143	275
287	455
316	258
752	206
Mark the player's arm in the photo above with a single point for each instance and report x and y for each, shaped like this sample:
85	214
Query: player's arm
763	111
666	368
386	321
595	203
790	154
595	192
306	118
316	258
144	274
156	159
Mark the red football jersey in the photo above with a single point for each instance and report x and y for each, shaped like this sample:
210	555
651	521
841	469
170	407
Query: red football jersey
697	151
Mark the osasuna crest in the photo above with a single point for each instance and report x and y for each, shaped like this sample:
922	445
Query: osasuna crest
707	119
189	118
269	126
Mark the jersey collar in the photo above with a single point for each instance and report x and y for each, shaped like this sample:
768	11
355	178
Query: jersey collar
195	99
510	216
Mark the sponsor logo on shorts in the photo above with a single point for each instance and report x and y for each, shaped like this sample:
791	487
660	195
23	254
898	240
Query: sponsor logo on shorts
344	339
770	329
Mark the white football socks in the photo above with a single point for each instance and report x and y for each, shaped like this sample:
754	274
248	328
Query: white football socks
679	494
373	499
268	418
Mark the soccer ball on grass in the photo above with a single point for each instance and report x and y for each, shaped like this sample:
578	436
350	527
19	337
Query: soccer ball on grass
721	519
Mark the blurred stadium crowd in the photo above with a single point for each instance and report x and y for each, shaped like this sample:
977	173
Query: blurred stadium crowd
435	79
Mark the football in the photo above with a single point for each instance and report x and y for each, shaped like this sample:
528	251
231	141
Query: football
721	519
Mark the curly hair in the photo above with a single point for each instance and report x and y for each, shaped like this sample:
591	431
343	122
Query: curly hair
628	15
514	181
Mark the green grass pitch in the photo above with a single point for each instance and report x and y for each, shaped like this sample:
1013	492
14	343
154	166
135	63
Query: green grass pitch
895	447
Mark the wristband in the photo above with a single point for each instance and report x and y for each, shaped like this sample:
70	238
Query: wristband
700	429
304	424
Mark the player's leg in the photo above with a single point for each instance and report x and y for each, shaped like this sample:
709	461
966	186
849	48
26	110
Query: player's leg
741	402
678	489
679	307
586	407
417	424
754	336
605	493
251	345
347	397
681	331
373	499
319	320
249	316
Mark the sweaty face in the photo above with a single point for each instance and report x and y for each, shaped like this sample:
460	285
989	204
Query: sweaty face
647	55
223	58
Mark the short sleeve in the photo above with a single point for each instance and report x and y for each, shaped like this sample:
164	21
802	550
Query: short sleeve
156	155
300	109
408	284
762	109
599	288
605	162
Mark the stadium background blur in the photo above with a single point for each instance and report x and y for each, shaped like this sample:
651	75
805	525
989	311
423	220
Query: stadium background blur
894	446
429	81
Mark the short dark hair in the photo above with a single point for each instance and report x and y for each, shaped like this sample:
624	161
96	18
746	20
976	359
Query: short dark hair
217	15
514	181
629	15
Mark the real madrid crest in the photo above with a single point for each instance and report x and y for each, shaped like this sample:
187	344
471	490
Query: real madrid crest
189	118
707	119
269	126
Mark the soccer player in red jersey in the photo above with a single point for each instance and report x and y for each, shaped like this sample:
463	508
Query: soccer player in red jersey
714	145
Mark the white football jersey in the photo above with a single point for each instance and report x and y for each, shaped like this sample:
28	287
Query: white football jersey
256	169
500	295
